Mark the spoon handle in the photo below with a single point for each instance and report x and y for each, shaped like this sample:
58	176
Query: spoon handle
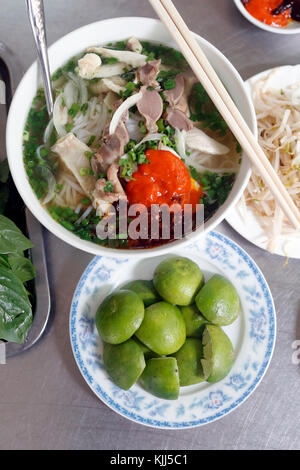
35	9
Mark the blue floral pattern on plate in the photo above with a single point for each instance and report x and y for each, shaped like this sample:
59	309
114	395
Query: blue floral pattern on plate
253	336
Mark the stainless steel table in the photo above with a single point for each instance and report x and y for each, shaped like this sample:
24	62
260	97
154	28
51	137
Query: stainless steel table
44	402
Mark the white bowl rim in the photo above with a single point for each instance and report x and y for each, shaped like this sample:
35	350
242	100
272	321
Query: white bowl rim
289	29
21	180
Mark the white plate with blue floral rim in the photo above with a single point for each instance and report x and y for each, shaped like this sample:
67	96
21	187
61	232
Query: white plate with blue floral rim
252	335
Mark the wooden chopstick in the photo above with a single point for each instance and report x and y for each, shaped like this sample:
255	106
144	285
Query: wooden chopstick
200	65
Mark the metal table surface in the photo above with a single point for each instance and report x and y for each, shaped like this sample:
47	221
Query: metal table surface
44	401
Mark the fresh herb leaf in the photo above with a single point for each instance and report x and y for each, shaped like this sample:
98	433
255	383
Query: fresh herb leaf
22	267
15	308
11	238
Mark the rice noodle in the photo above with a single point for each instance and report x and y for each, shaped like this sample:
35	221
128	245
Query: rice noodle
48	176
82	88
150	137
180	141
71	193
60	116
93	121
126	105
48	132
278	116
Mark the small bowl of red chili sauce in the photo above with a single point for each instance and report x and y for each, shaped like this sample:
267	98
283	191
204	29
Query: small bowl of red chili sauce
276	16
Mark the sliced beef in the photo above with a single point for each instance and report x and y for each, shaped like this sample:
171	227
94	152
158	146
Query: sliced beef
148	73
150	107
178	119
113	145
174	95
103	200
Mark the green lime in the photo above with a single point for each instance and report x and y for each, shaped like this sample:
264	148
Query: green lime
189	362
218	353
119	316
194	321
178	280
160	378
143	347
145	291
163	328
218	301
123	362
146	351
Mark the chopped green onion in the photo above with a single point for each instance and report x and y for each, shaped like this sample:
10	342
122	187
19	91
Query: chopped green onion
142	127
109	187
84	108
91	140
83	171
85	201
69	126
74	109
169	84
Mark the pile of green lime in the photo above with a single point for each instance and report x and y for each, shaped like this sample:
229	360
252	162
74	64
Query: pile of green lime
167	332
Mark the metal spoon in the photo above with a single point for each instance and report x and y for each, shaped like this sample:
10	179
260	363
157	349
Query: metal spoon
35	9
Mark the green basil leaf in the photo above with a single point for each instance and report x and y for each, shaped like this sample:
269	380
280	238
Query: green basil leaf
4	171
11	238
22	268
4	261
15	308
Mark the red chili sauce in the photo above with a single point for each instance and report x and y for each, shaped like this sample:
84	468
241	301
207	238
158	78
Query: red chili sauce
264	11
164	180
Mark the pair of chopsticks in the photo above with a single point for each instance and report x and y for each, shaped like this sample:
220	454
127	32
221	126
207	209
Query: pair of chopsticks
223	102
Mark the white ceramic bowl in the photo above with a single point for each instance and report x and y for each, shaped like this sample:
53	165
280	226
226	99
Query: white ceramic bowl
103	32
292	28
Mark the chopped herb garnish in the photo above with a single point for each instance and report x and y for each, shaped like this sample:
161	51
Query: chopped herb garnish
91	140
142	159
111	60
142	127
85	201
25	136
83	171
58	187
57	74
204	111
74	109
89	155
44	152
169	84
238	147
69	126
194	173
109	187
84	108
160	125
